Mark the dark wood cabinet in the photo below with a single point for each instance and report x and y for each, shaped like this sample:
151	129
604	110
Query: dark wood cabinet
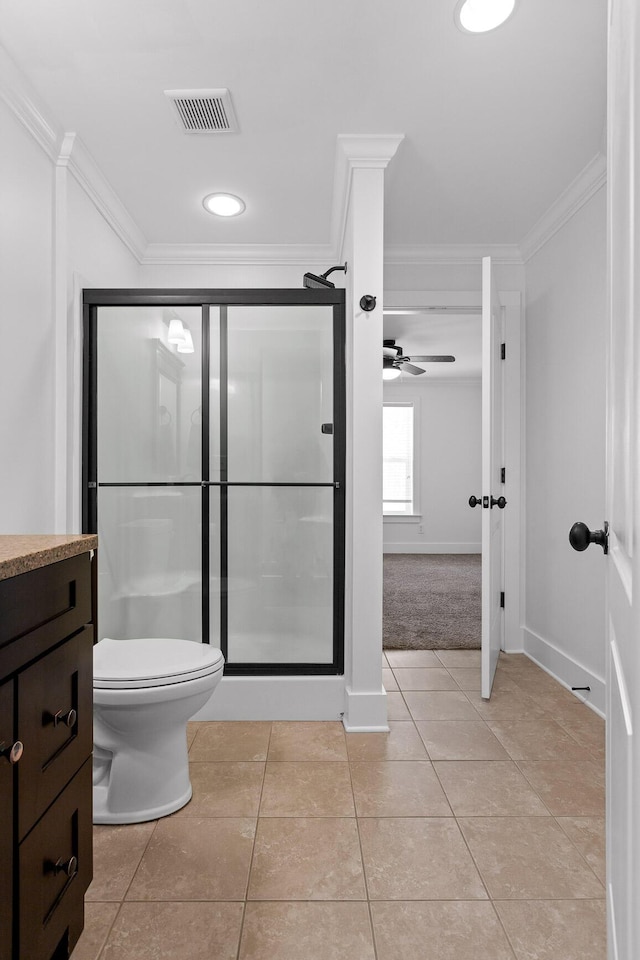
46	705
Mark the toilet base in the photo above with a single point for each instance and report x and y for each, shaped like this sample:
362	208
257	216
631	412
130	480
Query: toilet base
101	814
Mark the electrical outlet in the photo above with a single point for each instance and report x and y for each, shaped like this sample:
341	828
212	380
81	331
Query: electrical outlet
421	528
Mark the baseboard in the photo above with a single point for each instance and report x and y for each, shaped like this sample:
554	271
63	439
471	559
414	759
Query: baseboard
413	547
565	670
276	698
365	712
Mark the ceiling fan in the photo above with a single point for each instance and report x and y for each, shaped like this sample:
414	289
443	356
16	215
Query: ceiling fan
394	361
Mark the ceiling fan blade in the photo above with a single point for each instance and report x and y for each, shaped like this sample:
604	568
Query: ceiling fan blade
409	368
441	358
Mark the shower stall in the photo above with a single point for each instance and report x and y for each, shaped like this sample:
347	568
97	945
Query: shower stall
214	471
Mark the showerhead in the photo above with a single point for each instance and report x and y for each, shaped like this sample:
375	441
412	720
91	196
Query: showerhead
313	281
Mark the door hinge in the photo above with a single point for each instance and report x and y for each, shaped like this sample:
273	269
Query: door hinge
503	475
503	351
502	598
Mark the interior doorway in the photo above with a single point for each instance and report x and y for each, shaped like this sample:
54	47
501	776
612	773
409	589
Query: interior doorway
432	465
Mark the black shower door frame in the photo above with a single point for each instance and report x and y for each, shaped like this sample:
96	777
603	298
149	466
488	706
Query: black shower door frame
203	298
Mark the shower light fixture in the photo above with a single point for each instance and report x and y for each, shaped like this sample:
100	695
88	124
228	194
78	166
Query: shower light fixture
177	332
480	16
224	204
186	346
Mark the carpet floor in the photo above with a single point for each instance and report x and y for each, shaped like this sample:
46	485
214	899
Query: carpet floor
432	601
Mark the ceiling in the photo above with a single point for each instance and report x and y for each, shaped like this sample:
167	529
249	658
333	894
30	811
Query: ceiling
496	126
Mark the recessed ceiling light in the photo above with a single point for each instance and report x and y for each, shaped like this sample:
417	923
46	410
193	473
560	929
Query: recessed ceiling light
479	16
223	204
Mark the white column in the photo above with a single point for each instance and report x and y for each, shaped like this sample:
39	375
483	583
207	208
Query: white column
362	164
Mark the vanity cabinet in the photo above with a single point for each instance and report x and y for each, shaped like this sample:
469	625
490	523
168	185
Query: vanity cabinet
46	733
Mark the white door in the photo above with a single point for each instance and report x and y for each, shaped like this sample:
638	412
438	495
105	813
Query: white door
623	485
492	489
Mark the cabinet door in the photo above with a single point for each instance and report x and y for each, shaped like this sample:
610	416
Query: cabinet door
6	821
55	720
55	860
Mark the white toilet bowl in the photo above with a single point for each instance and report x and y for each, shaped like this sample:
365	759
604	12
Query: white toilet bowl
144	691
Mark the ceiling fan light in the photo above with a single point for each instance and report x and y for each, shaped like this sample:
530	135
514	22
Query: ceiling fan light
480	16
389	371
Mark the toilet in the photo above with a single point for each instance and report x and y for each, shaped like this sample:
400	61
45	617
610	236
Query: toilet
144	691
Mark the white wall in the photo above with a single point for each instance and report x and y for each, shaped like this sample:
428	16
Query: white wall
565	447
448	444
26	331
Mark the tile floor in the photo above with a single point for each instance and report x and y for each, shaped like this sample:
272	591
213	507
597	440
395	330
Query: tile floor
472	831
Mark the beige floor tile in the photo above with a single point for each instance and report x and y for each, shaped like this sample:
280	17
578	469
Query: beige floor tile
389	682
412	658
396	707
556	930
571	788
398	788
418	859
467	678
586	728
488	788
439	705
313	931
401	743
307	859
509	703
588	834
193	859
424	678
117	851
175	931
460	740
224	789
192	729
537	739
462	930
459	658
231	740
307	789
98	918
528	858
307	740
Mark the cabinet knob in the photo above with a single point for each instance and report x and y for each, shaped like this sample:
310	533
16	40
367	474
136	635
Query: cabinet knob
68	867
12	753
67	717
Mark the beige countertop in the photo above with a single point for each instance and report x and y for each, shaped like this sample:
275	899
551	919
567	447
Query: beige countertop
20	553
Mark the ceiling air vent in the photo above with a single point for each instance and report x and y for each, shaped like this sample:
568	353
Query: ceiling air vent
204	111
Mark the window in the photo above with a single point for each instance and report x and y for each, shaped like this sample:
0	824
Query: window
397	459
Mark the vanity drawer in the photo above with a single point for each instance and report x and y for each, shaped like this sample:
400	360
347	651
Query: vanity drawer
55	862
41	608
55	724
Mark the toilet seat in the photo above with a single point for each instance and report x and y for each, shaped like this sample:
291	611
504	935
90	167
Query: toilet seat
152	662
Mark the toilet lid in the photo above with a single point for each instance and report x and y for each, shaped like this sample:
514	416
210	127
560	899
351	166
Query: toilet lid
152	662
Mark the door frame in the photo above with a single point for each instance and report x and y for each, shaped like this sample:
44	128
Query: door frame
93	299
448	301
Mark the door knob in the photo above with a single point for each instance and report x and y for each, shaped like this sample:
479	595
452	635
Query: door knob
580	536
475	501
500	502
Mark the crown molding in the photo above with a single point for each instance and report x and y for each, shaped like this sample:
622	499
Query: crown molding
86	172
353	151
240	254
579	191
26	106
452	253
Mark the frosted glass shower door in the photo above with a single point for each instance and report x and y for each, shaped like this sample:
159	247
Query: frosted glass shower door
149	471
277	491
